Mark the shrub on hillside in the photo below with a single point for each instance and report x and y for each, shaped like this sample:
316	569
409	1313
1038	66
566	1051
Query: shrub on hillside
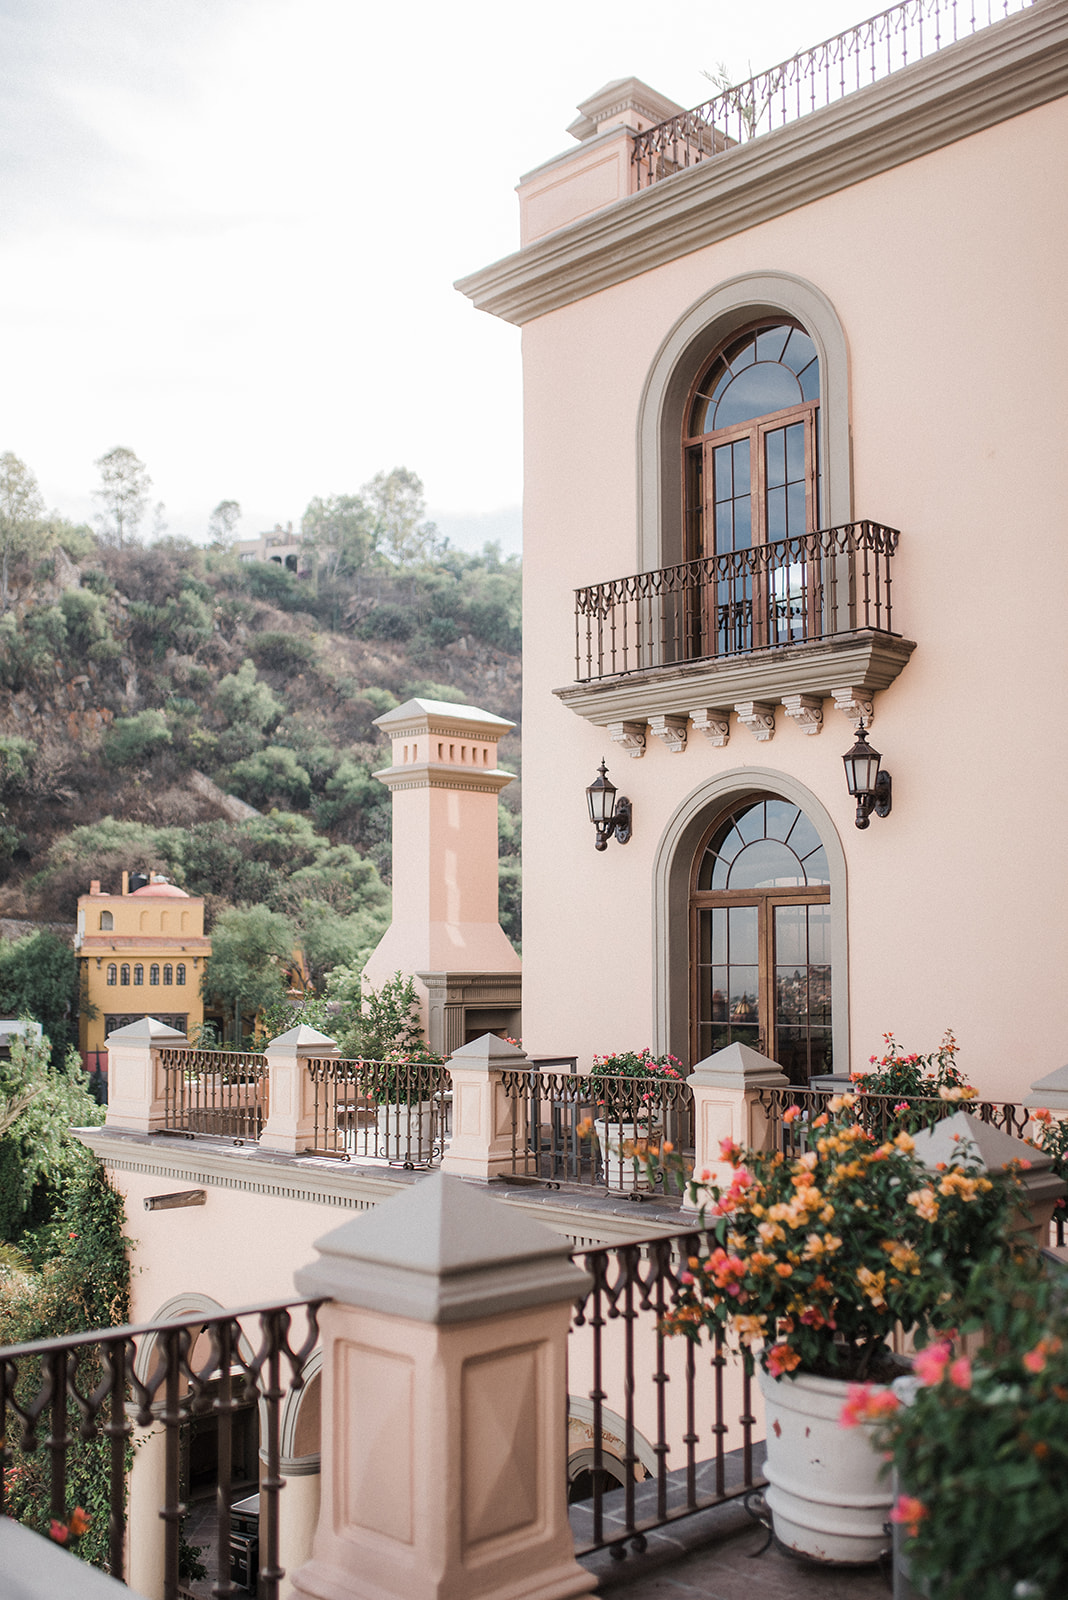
282	652
132	740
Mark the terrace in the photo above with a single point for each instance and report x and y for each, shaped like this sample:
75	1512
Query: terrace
657	1466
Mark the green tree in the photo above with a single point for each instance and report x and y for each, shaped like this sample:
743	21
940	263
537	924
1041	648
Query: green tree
23	532
396	499
271	776
342	533
251	951
131	740
222	523
123	495
39	979
241	698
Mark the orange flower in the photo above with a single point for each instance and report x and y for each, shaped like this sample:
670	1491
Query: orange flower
909	1512
79	1521
865	1403
782	1358
791	1114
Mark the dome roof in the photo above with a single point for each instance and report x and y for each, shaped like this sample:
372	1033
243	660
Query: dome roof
159	891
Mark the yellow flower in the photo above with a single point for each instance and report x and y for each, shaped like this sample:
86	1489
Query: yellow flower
903	1256
771	1232
923	1201
906	1142
873	1284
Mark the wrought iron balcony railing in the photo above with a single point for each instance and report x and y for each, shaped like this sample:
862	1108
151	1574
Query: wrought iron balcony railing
787	592
810	80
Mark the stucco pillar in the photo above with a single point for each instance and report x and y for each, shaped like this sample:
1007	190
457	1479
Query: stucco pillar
726	1106
290	1126
482	1113
298	1515
145	1529
136	1080
444	1441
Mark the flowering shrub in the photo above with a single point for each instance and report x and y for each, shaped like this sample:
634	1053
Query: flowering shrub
1051	1137
627	1102
818	1257
982	1450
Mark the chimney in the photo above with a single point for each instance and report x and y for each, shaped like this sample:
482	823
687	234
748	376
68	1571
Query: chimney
126	883
94	886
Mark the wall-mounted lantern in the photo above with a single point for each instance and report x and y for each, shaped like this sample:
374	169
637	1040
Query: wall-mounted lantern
870	787
611	816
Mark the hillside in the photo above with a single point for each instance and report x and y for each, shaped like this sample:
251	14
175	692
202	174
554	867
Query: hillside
143	685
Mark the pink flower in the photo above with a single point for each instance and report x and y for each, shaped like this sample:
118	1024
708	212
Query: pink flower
929	1365
960	1373
59	1532
791	1114
729	1150
782	1358
865	1403
910	1512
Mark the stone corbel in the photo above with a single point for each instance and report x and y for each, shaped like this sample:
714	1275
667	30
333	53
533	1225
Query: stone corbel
672	730
714	724
804	709
630	735
758	717
855	703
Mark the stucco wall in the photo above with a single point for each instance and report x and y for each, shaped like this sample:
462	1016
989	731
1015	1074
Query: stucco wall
945	274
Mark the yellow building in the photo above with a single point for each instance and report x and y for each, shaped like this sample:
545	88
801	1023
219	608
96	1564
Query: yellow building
142	954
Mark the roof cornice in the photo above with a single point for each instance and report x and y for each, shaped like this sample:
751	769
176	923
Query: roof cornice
1006	69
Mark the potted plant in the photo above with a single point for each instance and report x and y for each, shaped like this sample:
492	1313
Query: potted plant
629	1087
902	1079
404	1088
980	1448
816	1263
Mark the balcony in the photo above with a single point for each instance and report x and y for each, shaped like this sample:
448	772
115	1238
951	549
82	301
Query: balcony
792	622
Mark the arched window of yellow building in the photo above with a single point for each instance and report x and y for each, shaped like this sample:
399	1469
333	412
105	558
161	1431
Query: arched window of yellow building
113	974
107	922
168	974
180	976
153	974
139	973
124	976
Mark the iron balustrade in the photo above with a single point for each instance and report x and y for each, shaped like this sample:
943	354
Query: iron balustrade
786	592
637	1285
221	1092
570	1128
380	1110
812	79
108	1385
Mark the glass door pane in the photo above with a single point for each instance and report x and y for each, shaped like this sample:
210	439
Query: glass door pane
732	523
802	990
728	978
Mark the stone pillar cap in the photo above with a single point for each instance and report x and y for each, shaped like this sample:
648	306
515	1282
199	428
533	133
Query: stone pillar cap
304	1041
962	1139
489	1050
146	1030
443	1252
1050	1091
442	716
737	1067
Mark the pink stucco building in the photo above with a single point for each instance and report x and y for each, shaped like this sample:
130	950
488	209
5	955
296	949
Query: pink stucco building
793	414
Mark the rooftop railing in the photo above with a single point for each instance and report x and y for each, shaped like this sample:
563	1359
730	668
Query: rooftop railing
380	1110
220	1092
810	80
785	592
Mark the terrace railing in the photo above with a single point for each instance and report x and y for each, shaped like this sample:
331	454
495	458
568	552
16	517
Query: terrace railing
692	1404
220	1092
573	1129
58	1394
782	593
810	80
380	1110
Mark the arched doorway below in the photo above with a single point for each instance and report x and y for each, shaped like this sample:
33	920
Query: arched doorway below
760	937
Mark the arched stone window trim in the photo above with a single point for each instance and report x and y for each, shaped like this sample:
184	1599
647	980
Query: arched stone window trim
690	344
672	865
107	922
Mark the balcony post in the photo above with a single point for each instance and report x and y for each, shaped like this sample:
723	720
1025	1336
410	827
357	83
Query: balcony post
290	1125
136	1080
964	1138
145	1528
725	1088
483	1143
1051	1094
444	1405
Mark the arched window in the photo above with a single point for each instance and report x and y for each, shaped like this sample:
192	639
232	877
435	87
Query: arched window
751	469
124	976
179	974
139	973
153	975
168	974
107	922
760	937
113	974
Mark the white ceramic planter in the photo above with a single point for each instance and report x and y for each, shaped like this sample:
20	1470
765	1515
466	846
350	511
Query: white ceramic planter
616	1165
406	1133
828	1494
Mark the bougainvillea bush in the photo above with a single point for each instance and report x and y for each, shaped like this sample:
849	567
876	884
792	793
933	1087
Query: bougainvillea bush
982	1451
628	1102
818	1258
909	1078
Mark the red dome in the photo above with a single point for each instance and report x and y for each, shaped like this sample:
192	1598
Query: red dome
160	891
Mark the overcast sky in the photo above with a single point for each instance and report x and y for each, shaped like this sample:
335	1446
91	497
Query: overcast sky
229	231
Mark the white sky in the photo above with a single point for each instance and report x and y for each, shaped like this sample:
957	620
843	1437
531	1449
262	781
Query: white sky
229	231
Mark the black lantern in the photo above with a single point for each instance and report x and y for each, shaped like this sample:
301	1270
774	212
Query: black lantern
870	787
610	815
